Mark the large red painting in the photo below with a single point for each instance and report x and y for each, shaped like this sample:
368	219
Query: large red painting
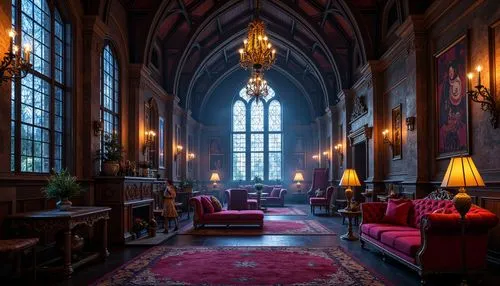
452	101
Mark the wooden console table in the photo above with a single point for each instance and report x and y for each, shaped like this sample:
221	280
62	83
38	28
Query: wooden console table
54	220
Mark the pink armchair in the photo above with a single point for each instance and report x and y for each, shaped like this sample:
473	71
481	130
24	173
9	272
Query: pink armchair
319	181
237	199
322	201
276	197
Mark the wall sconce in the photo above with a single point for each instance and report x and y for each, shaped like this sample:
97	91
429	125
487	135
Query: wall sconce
191	156
483	96
299	177
14	65
339	149
149	139
385	133
178	150
98	127
410	123
316	157
326	154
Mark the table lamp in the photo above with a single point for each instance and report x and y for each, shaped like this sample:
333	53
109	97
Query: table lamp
215	178
349	179
299	177
462	173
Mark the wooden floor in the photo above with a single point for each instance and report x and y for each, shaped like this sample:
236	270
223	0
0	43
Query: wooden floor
392	270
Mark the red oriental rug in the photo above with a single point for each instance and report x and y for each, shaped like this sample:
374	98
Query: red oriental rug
242	266
284	211
274	227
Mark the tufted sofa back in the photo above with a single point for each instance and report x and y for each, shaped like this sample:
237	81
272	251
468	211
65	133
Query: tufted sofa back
422	207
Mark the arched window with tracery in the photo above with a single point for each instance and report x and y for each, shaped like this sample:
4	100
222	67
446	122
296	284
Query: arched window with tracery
38	100
256	137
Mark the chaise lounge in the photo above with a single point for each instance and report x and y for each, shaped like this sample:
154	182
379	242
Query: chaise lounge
224	217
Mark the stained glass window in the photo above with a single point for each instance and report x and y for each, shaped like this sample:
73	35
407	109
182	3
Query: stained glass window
37	111
257	138
109	91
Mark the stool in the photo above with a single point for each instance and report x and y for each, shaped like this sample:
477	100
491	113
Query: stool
18	246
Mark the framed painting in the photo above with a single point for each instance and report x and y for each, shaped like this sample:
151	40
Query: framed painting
215	146
397	147
299	160
216	162
452	103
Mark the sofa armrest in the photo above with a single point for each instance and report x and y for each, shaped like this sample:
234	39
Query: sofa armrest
198	208
480	221
373	212
282	194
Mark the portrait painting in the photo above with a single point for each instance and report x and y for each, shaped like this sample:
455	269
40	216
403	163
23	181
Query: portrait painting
215	146
216	162
397	148
452	106
299	161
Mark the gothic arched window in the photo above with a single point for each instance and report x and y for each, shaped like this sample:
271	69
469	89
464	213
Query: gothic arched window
256	137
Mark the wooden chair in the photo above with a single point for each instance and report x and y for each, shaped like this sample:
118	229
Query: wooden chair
18	247
319	181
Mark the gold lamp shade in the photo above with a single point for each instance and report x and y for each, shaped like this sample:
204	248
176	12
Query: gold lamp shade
299	177
350	179
462	172
215	177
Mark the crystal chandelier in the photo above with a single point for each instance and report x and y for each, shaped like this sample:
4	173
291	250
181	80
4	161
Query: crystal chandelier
257	86
14	64
257	52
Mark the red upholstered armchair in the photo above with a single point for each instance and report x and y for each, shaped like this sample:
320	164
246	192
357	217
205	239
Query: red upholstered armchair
237	199
431	241
276	197
322	201
319	181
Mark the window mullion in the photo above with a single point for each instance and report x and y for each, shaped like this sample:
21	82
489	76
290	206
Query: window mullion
52	88
17	91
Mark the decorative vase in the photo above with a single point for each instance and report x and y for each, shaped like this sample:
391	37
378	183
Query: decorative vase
64	204
110	168
152	231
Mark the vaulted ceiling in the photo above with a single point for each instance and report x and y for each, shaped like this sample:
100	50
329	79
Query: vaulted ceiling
320	43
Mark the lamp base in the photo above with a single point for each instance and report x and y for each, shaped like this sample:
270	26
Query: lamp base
462	202
348	195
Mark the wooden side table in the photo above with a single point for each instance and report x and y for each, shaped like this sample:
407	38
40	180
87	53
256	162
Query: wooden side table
349	215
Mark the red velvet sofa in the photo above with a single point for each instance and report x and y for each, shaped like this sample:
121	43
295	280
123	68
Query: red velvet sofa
225	217
431	242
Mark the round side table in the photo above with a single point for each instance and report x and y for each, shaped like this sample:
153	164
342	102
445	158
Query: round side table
350	215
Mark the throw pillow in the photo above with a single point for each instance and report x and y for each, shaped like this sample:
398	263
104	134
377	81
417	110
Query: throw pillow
397	212
320	193
216	204
207	205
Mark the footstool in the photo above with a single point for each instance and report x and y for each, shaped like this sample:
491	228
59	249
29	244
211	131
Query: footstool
18	246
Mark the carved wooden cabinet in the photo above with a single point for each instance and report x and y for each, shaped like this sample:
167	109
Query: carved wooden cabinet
128	198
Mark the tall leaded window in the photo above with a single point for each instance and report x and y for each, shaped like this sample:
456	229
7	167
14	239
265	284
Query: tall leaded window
110	100
37	112
256	138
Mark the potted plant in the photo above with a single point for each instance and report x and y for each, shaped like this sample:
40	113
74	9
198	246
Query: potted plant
258	186
187	185
111	155
62	186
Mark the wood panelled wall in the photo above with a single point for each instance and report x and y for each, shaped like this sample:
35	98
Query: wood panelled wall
405	74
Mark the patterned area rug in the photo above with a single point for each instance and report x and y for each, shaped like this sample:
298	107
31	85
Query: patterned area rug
274	227
242	266
284	211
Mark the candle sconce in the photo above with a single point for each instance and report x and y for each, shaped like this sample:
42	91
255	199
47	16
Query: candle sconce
14	64
339	149
483	96
385	133
191	156
149	141
178	150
